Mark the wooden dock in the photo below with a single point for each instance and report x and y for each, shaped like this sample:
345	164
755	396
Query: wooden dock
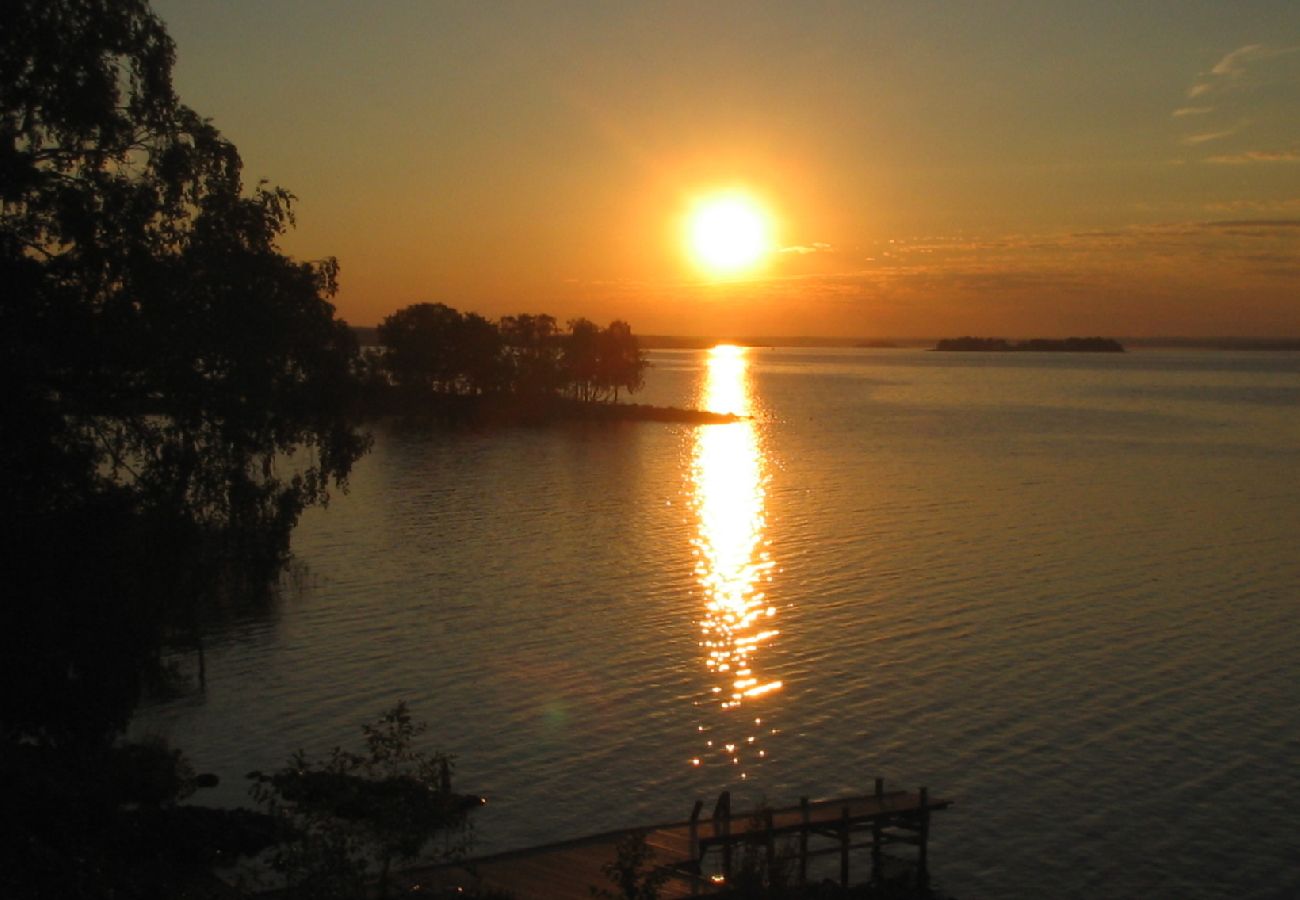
702	855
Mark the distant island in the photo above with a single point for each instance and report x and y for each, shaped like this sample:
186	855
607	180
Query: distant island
1036	345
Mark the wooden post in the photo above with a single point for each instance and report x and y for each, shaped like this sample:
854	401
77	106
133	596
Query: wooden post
722	819
444	777
844	847
877	870
694	830
769	843
922	859
803	841
694	844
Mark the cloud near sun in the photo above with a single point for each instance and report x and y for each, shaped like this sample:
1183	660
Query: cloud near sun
1018	283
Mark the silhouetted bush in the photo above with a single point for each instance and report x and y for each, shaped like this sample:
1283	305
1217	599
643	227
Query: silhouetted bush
343	814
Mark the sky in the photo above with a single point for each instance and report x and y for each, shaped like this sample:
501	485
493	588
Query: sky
929	168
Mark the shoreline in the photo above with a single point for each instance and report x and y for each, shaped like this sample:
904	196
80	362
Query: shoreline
505	410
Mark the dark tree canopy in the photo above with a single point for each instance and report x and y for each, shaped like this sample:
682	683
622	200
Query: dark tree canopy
532	358
430	348
621	364
581	358
174	384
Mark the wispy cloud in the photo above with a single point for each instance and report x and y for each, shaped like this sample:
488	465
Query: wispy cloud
1267	224
1255	156
1206	137
1256	239
1283	204
802	249
1235	62
1232	76
1091	277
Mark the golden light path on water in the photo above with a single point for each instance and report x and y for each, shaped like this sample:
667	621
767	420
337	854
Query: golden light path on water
732	564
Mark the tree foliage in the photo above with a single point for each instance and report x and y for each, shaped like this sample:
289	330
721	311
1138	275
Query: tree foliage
632	871
354	810
175	386
432	348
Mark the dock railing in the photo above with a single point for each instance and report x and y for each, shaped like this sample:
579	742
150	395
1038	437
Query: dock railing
875	822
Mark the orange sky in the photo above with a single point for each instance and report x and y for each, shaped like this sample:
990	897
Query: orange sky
932	169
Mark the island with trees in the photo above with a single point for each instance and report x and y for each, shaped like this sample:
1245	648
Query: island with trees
435	362
1036	345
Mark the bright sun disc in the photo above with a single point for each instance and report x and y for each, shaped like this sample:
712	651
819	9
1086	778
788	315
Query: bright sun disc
728	234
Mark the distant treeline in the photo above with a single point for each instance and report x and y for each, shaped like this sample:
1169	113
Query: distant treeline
368	336
430	353
1215	343
1039	345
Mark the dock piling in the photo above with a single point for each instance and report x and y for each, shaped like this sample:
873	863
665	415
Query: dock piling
922	860
722	818
877	872
844	847
769	843
830	828
804	815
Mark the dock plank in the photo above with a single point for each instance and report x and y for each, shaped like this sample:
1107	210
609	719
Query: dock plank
570	869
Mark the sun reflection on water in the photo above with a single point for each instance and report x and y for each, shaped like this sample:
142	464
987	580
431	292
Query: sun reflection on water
732	563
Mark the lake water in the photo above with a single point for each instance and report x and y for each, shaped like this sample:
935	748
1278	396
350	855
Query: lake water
1061	590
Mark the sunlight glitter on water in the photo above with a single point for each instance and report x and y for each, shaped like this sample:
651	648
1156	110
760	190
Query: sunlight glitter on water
732	563
1060	588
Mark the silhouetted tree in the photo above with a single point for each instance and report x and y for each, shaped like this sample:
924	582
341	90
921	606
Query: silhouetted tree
622	364
421	343
581	359
479	363
599	363
532	348
432	347
171	378
175	391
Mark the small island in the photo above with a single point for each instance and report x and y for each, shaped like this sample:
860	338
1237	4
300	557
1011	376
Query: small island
1036	345
430	362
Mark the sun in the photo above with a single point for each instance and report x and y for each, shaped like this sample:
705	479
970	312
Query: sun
728	234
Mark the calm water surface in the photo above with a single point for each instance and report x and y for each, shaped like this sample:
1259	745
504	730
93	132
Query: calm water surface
1062	590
